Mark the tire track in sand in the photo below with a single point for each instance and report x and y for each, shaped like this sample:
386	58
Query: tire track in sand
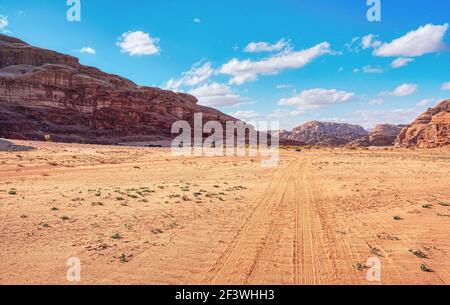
237	264
286	240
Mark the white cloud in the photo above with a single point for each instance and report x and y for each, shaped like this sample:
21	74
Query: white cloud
403	90
369	41
283	113
373	70
216	95
369	119
354	45
401	62
316	98
138	43
245	115
377	101
247	70
255	47
426	39
197	20
284	116
425	102
369	70
4	23
334	120
87	50
198	74
445	86
362	43
284	86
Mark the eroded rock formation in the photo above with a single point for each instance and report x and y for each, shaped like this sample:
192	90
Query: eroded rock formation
429	130
45	92
382	135
327	134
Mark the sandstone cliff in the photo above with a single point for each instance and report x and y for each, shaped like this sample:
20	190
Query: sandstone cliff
382	135
429	130
45	92
327	134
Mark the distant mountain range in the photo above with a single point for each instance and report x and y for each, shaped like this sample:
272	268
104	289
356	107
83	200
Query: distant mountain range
430	130
340	134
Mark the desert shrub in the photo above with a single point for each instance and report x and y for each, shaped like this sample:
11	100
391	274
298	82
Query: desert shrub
116	236
425	268
418	253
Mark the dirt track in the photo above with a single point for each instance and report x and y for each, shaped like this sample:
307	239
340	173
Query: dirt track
284	241
142	216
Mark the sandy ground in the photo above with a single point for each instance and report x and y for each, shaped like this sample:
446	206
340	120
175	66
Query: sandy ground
142	216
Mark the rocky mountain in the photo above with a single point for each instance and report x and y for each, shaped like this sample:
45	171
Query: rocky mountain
282	134
283	138
429	130
44	92
381	135
327	134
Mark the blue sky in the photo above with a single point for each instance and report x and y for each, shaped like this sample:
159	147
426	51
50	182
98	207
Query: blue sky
287	60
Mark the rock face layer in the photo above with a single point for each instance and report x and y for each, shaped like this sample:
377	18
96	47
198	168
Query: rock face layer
429	130
44	92
382	135
327	134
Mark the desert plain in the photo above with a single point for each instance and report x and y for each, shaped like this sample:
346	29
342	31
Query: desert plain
143	216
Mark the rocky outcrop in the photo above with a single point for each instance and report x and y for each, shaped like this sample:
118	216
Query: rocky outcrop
429	130
382	135
283	138
281	134
327	134
45	92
